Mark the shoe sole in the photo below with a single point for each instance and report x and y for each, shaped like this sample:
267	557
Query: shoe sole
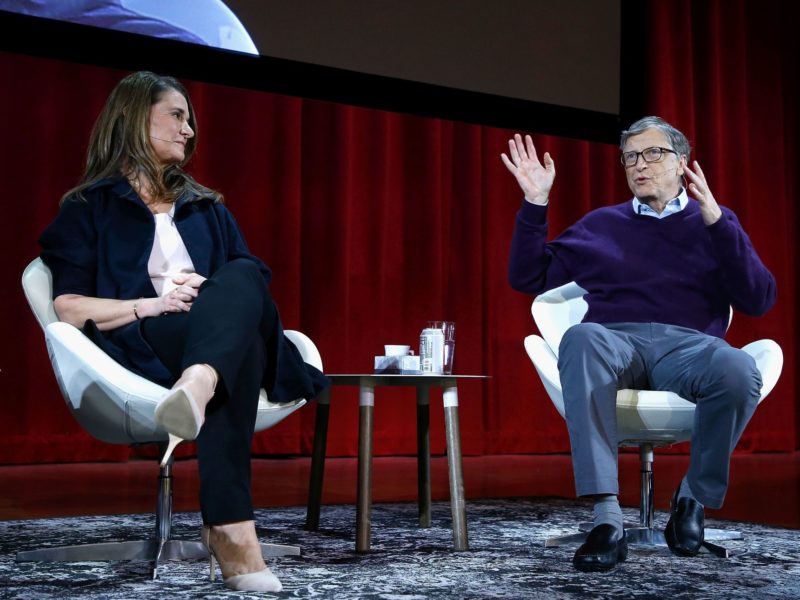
177	414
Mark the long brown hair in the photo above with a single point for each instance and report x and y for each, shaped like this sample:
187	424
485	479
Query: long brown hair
120	145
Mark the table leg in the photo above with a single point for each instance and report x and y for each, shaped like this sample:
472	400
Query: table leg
318	460
423	456
364	493
450	400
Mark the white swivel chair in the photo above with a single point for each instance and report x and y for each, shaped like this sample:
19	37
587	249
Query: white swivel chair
117	406
644	418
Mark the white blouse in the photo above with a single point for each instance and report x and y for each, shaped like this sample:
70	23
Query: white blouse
169	257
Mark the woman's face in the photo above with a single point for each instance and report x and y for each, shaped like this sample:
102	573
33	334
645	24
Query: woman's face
169	127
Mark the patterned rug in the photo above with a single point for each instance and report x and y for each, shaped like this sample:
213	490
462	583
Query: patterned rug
507	558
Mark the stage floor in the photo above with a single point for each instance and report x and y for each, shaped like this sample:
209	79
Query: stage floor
507	558
765	488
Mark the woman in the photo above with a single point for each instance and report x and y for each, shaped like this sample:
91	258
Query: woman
153	268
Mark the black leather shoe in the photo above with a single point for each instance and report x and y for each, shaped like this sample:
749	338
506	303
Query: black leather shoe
602	550
684	530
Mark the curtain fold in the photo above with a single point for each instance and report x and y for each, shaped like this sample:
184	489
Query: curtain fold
375	222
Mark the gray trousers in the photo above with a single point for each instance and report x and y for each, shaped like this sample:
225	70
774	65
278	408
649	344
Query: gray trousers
597	360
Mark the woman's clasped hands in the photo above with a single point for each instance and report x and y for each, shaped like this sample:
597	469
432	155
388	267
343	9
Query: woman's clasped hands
179	299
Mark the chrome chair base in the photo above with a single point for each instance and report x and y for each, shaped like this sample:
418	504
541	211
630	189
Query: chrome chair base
147	550
154	550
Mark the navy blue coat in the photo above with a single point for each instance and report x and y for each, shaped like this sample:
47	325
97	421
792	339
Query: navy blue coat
100	248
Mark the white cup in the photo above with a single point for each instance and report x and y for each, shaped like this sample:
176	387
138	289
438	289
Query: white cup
396	350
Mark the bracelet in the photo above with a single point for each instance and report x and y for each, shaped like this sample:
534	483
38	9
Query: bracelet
136	314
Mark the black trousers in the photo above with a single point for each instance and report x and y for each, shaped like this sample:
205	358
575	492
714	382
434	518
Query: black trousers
233	326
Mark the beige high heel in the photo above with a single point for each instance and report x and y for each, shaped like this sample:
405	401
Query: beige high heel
258	581
179	413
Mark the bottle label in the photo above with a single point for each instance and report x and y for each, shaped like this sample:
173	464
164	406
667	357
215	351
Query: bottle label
431	351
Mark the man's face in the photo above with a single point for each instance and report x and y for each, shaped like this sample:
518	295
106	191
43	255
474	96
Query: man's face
658	181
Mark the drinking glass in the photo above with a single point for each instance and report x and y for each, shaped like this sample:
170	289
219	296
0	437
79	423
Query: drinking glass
449	330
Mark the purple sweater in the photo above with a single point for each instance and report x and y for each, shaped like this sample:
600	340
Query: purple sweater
638	269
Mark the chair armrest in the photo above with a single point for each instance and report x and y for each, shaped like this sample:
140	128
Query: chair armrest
37	283
769	360
546	365
557	310
271	413
306	347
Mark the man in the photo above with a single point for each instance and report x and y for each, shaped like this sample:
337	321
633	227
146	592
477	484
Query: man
661	271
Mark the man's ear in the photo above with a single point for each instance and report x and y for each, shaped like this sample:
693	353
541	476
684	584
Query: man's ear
682	165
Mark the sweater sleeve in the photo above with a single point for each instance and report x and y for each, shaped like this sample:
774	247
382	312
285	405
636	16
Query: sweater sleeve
748	282
532	265
69	249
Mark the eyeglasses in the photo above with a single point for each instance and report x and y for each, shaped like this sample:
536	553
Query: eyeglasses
654	154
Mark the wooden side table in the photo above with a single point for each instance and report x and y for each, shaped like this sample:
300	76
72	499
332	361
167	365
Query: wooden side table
367	382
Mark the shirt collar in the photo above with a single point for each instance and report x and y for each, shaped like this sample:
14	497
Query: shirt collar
675	205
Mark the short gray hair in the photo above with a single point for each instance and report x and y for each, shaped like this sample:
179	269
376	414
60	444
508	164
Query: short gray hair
676	138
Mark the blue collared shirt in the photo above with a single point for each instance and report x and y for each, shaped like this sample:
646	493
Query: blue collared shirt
675	205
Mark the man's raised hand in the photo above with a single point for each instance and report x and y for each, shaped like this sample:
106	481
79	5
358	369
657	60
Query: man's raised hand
534	178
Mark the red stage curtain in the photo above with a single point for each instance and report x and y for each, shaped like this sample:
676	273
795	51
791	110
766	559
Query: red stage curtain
374	222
